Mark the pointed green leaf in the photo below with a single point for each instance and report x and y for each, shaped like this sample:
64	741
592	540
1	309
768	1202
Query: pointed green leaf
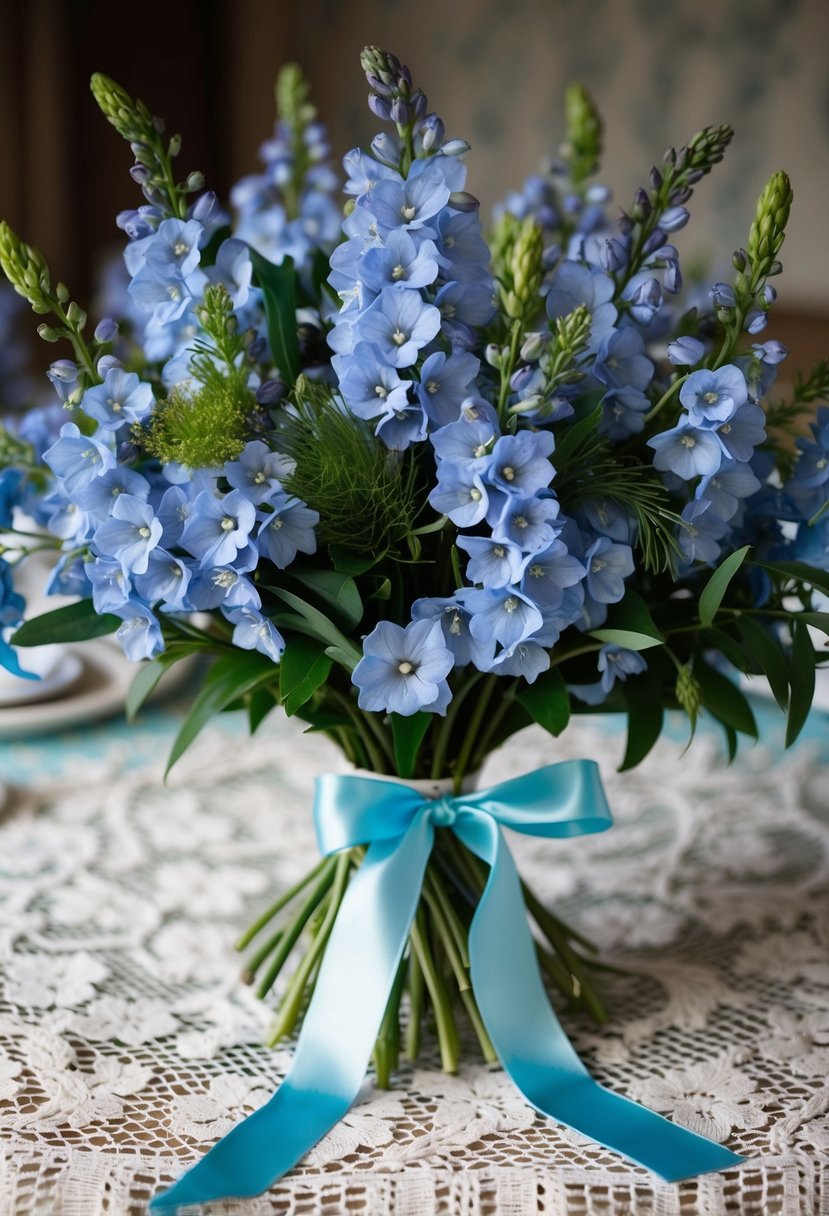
723	699
801	572
712	593
336	590
818	620
318	625
303	668
278	285
408	733
354	564
260	703
547	701
643	700
801	681
231	677
570	437
143	685
72	623
769	655
629	624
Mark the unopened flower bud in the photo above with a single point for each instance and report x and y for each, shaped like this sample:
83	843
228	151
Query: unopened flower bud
270	392
532	347
205	207
106	330
195	181
76	315
140	174
493	355
105	364
739	260
655	178
48	334
379	107
62	292
641	205
673	219
75	397
455	147
462	200
431	132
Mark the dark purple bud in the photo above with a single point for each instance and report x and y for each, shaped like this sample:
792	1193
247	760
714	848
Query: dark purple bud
270	392
695	175
723	295
140	174
379	86
127	452
641	208
404	75
625	224
418	103
769	293
462	200
679	196
655	241
655	178
106	329
379	107
670	157
612	255
205	207
400	111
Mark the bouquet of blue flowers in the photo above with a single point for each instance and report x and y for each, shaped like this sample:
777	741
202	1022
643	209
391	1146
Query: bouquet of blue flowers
421	487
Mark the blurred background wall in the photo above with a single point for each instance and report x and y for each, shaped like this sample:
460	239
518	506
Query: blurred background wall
494	69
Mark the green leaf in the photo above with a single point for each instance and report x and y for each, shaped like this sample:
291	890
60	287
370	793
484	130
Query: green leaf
143	685
723	699
278	285
801	681
800	572
346	562
337	590
231	677
303	668
260	703
570	438
712	593
547	701
819	620
770	657
738	656
72	623
645	713
629	624
408	732
318	625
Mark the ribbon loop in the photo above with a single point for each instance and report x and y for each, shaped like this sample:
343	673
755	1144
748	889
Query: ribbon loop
363	956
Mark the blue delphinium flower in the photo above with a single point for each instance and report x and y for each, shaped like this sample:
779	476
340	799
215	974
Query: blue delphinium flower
687	451
575	284
614	663
608	565
130	534
623	413
139	636
76	459
404	670
218	528
286	530
122	397
253	631
712	397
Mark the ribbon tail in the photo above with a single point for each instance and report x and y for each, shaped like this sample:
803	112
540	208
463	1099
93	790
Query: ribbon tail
338	1034
533	1048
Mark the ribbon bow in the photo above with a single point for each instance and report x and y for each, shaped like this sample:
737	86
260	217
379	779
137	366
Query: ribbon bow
362	960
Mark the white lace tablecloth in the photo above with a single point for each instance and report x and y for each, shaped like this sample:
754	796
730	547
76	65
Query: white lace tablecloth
127	1046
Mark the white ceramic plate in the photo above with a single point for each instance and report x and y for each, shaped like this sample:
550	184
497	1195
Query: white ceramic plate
58	671
100	690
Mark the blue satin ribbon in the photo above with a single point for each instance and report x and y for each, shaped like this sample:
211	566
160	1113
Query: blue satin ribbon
363	956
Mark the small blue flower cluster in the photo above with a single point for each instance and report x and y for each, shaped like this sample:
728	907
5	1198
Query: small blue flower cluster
167	540
414	278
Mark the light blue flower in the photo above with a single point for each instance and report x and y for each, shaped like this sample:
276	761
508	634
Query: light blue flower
98	498
608	565
130	534
253	631
468	441
492	563
287	530
368	383
233	268
174	246
525	659
403	426
621	361
445	382
111	587
404	670
258	471
218	527
725	489
685	351
220	586
623	413
575	284
617	663
409	204
400	324
702	531
743	432
546	574
76	459
460	494
165	579
466	303
687	451
519	463
527	522
712	397
454	621
504	614
462	248
401	261
139	635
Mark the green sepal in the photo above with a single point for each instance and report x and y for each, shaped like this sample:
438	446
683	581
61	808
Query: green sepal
645	713
232	677
72	623
723	699
303	668
712	593
547	701
408	733
801	680
769	655
278	285
629	624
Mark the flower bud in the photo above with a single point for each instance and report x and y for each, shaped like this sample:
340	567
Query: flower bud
270	392
174	146
379	107
685	351
105	364
493	355
140	174
62	292
48	334
106	330
195	181
455	147
400	112
76	315
532	347
205	207
673	219
462	200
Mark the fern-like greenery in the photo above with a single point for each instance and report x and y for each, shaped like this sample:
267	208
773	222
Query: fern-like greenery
365	495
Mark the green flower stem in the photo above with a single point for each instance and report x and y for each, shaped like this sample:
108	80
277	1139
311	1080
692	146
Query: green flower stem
417	993
474	1014
447	725
381	735
458	930
255	962
580	986
377	759
387	1047
447	937
666	397
508	367
494	721
475	720
554	970
327	863
291	1005
542	913
292	932
445	1022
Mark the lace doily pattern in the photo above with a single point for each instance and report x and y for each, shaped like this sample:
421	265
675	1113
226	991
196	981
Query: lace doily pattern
128	1045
